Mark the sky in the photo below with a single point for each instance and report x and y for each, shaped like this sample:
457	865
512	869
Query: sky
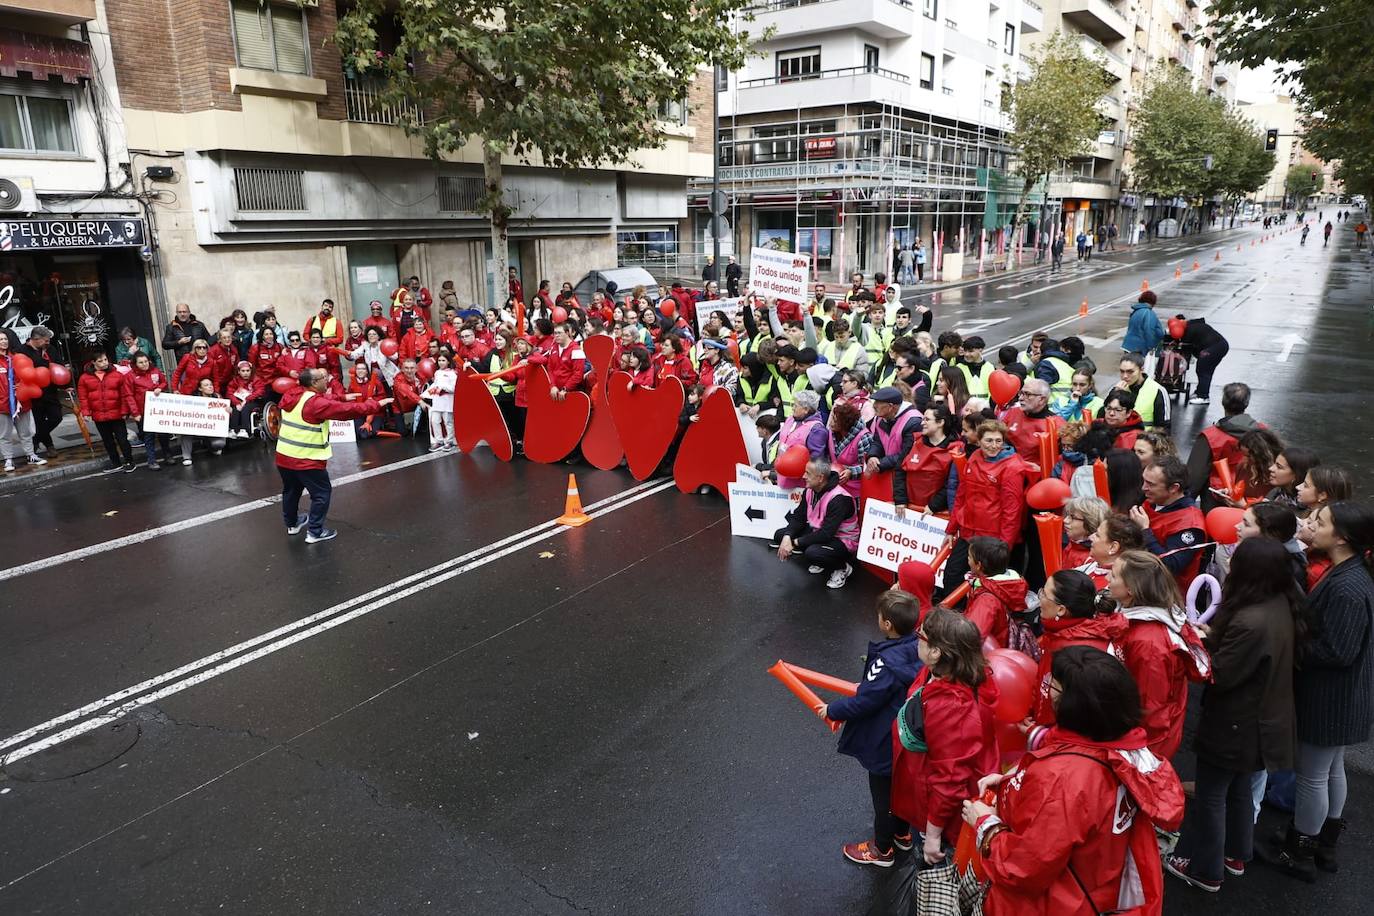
1258	84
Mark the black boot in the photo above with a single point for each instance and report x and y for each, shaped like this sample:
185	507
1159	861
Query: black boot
1326	844
1294	856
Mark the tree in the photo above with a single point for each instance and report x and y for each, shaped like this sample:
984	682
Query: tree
1301	182
564	85
1054	114
1173	134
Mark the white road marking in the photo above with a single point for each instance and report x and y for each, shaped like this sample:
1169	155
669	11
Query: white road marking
1102	341
1289	341
968	327
268	643
1077	279
139	537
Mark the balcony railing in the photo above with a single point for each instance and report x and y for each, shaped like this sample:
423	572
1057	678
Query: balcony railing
773	6
363	99
826	75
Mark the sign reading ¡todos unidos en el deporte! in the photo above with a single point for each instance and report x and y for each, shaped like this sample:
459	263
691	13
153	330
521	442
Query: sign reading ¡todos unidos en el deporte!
888	540
780	274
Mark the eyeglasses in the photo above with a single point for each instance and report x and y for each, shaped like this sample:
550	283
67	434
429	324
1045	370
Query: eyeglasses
200	347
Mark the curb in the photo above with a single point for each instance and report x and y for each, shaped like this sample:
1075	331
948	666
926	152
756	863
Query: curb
14	484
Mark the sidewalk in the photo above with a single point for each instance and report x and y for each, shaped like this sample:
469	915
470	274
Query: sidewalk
69	459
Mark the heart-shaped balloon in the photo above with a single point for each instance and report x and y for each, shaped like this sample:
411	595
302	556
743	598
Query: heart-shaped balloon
552	428
646	419
712	446
601	444
477	418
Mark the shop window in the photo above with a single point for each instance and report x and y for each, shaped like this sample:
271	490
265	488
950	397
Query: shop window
804	63
646	247
36	116
270	36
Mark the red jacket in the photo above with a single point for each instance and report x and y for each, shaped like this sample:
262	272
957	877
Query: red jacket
1074	802
961	749
989	603
679	367
402	320
1076	553
927	469
1127	432
475	354
188	373
567	366
644	378
295	360
381	323
406	393
108	396
1023	430
225	359
319	408
1104	632
140	383
266	361
1163	657
240	392
415	346
326	359
991	497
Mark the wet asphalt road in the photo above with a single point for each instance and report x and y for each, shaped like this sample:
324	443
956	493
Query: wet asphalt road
570	721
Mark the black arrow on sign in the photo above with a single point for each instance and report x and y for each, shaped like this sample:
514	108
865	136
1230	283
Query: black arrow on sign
756	515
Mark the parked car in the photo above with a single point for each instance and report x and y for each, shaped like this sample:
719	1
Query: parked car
625	280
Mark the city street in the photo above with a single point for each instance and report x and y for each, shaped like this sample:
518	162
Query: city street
460	707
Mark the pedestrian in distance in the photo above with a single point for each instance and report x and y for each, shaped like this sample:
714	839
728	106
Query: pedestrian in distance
1305	229
182	331
890	666
1081	240
1326	234
920	251
303	450
1057	254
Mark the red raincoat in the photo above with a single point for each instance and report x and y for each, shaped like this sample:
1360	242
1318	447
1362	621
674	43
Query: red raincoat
989	603
991	498
1104	632
1163	653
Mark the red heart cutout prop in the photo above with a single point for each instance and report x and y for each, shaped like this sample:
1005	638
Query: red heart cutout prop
712	447
646	419
552	428
476	417
601	444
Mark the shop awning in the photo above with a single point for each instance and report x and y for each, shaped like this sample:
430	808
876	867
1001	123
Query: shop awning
42	57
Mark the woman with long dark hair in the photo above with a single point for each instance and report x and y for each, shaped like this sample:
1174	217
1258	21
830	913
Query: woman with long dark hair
1289	469
1072	613
1247	725
1124	476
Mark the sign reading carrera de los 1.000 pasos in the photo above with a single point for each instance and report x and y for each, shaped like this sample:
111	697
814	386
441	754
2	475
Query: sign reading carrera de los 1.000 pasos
80	232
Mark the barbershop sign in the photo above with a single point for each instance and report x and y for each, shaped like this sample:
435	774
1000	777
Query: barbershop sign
33	234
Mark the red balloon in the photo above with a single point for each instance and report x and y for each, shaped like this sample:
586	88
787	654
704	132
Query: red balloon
559	314
1021	660
1049	495
61	375
1222	522
26	391
283	384
26	373
42	376
668	307
1011	741
1003	386
792	463
21	362
425	368
389	348
1013	690
1176	327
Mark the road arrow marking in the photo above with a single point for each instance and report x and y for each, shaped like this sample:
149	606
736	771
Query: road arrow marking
1289	341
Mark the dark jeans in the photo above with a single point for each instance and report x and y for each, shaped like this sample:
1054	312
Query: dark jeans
115	437
1221	821
920	272
1207	362
886	825
830	556
293	483
46	417
151	442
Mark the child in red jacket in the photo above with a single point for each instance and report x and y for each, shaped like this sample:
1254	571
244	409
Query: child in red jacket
106	398
998	594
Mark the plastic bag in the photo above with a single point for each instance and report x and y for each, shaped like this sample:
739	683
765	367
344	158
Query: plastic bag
897	895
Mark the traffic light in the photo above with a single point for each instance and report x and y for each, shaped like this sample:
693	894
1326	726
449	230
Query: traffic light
1314	176
1271	139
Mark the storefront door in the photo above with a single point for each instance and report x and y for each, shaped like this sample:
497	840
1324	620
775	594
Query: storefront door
372	274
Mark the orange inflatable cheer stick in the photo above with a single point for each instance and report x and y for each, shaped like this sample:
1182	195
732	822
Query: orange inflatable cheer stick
1050	527
800	690
824	681
941	556
1228	479
1104	491
957	595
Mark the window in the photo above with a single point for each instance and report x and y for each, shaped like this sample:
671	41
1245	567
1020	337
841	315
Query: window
270	37
36	116
870	58
270	189
930	9
460	193
673	111
927	71
725	148
644	247
722	79
804	63
775	144
1009	39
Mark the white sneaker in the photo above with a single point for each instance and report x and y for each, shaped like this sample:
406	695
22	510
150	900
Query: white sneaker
9	465
839	577
34	459
186	462
815	570
1200	401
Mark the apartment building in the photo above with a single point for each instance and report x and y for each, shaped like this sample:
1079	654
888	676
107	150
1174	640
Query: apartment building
1281	114
864	123
72	229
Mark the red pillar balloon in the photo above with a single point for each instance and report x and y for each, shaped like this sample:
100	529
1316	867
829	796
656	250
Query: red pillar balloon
1050	527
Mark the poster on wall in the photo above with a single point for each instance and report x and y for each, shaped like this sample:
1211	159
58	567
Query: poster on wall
773	239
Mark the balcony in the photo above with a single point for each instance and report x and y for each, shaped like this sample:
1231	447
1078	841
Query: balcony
1221	74
829	87
879	18
1097	18
1032	17
68	12
363	101
1113	64
1082	187
1109	107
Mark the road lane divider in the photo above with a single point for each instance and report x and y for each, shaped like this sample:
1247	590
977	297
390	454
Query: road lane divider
100	712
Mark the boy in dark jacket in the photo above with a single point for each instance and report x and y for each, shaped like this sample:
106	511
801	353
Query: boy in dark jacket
889	668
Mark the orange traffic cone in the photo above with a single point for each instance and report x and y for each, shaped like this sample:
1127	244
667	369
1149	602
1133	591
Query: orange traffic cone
573	516
1083	309
1196	265
1178	272
1218	257
1144	285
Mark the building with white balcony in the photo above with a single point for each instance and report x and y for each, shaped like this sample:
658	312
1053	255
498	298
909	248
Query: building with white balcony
72	207
861	124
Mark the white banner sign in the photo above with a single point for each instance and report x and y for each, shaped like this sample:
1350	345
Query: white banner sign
759	510
888	541
780	274
182	413
342	431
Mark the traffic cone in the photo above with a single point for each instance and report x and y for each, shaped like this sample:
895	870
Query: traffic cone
1083	309
1218	257
573	516
1196	265
1178	272
1144	285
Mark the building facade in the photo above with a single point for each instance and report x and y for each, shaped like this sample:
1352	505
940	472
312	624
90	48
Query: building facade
862	124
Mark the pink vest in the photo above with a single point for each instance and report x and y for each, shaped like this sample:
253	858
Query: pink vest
891	440
794	433
847	457
848	533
